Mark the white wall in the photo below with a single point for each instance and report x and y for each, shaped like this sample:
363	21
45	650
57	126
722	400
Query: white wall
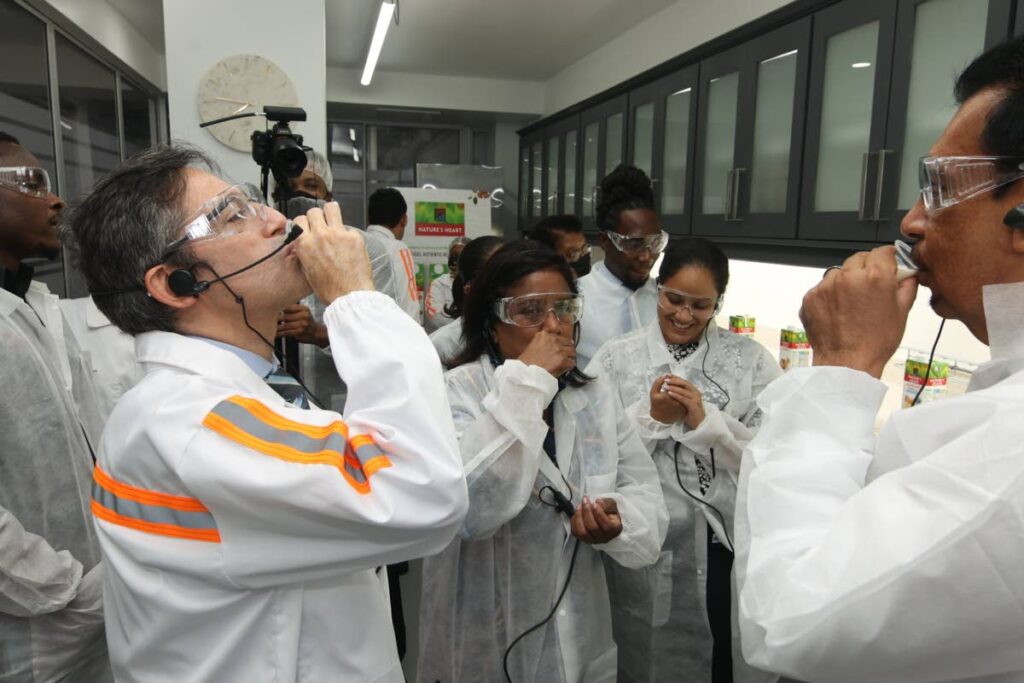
674	30
394	89
112	30
773	293
199	33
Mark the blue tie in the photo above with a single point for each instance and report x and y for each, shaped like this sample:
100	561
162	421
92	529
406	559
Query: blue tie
288	387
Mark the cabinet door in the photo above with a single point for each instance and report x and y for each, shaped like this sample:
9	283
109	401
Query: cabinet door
753	116
524	184
642	114
560	167
851	62
603	129
536	180
938	38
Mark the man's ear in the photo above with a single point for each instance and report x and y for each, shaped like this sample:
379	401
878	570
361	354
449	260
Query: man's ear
158	287
404	221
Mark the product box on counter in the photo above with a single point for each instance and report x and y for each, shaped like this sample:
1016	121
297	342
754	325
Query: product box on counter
742	324
794	349
931	387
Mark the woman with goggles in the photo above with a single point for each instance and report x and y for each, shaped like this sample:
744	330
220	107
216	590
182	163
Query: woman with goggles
558	480
691	389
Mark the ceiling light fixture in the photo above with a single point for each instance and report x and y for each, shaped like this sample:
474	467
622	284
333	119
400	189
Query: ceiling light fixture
387	11
861	65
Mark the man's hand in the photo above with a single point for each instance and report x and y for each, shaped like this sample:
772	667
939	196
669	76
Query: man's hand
597	522
856	315
333	257
553	352
297	322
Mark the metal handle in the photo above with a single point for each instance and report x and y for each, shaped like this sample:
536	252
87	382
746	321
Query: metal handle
730	181
733	214
862	207
879	181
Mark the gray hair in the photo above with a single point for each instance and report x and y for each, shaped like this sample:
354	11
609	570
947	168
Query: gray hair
122	228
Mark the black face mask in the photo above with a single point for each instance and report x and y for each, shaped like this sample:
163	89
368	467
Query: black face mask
581	266
304	195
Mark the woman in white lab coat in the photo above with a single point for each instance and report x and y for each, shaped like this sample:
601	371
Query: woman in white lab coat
522	592
471	259
691	389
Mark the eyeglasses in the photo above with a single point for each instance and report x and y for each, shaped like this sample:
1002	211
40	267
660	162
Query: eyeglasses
576	255
946	181
673	301
30	180
237	209
654	244
532	310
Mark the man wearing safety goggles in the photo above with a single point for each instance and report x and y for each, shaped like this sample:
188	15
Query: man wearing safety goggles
255	516
51	601
621	295
898	558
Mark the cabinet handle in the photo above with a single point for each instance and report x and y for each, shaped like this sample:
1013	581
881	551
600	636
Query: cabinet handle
593	200
733	216
879	182
862	207
730	182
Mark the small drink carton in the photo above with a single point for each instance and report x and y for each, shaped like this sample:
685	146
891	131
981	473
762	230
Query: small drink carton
742	324
914	380
794	349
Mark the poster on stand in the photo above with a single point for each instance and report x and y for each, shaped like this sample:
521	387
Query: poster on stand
436	217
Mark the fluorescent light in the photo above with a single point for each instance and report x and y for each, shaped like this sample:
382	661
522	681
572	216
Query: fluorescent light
681	92
387	10
352	134
861	65
355	155
782	56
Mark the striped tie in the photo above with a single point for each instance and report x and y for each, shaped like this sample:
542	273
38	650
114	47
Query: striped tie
288	387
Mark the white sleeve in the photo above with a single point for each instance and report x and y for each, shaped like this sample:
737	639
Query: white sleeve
34	578
405	280
640	501
433	307
913	577
297	494
501	439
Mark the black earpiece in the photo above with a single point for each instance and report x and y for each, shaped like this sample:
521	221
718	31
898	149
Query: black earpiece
1014	218
182	282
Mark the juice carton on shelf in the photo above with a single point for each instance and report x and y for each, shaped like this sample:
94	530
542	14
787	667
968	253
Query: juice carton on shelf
742	324
794	349
931	387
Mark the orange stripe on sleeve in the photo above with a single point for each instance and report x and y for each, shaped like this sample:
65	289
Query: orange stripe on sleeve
108	515
133	493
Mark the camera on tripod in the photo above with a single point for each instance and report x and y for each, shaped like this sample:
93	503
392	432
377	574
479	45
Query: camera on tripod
279	149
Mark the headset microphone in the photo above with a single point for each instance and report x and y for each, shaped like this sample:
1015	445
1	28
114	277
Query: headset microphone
1014	218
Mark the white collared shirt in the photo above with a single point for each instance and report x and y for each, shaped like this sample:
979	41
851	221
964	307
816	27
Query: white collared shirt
611	309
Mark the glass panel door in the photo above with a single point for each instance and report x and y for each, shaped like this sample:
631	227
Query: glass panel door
552	170
643	137
524	185
773	124
613	142
536	191
589	186
569	163
719	143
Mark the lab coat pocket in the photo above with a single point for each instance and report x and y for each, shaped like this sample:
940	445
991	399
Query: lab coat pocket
599	485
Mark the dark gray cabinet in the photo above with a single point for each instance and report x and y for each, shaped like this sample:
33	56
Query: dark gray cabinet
603	138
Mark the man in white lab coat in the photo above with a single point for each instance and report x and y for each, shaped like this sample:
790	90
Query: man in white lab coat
51	602
898	558
387	214
241	532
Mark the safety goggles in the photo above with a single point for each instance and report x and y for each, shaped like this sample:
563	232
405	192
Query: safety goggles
673	301
30	180
654	244
946	181
574	256
532	310
239	208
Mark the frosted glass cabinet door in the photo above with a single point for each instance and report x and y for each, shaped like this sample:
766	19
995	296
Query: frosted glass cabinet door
851	64
536	189
552	176
720	144
675	152
569	173
591	133
773	124
524	184
643	137
613	140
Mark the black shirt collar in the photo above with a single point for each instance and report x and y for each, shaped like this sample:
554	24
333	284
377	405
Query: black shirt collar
17	282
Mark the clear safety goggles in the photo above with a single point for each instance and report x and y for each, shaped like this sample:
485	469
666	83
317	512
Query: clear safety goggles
673	301
239	208
531	310
574	256
946	181
655	244
30	180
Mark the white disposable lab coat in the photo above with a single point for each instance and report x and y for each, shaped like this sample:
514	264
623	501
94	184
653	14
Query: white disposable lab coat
111	352
660	612
404	269
438	297
896	558
504	573
447	340
241	533
51	611
611	309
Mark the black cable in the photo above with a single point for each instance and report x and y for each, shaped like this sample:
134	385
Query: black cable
704	369
700	501
554	608
245	318
928	370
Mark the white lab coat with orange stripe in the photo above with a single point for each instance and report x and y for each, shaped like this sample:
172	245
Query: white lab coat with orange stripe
404	269
241	533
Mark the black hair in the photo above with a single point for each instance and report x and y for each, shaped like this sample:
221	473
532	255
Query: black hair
1000	67
471	260
503	270
7	137
386	207
624	189
544	230
696	251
